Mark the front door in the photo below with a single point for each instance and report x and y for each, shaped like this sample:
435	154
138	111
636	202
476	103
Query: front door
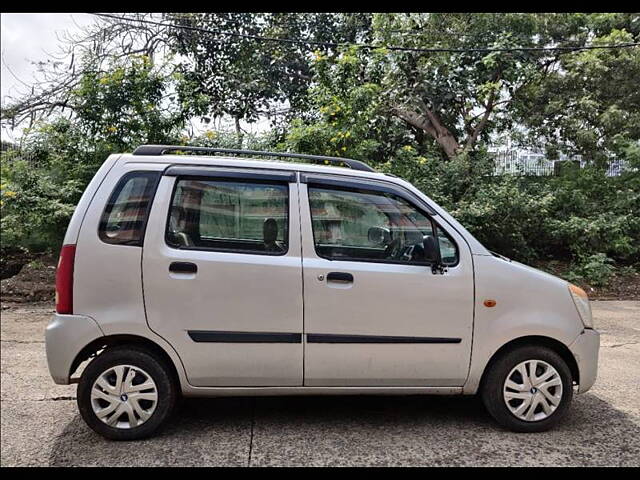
375	313
222	275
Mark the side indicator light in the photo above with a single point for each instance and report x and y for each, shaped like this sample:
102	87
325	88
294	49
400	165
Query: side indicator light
489	303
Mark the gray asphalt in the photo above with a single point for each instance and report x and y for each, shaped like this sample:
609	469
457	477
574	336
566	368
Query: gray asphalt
40	424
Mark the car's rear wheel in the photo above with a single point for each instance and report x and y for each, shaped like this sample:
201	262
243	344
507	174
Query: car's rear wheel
126	393
528	389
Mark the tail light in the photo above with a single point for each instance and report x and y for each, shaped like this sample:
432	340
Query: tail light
64	280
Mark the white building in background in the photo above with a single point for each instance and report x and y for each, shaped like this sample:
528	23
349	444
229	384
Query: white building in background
522	162
534	162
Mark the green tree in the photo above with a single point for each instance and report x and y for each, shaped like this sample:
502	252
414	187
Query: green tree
133	102
40	186
589	104
460	98
346	100
246	78
44	176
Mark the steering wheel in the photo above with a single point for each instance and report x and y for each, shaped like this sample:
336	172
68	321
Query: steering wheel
394	249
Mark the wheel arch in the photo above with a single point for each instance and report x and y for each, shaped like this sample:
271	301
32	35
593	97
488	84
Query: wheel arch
534	340
102	343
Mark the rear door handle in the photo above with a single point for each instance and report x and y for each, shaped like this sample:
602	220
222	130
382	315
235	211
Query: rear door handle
340	277
183	267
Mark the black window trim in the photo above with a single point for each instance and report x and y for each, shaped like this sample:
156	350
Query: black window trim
351	185
222	173
231	177
154	175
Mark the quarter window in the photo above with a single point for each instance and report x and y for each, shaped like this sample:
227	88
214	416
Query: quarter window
373	226
124	219
230	216
448	249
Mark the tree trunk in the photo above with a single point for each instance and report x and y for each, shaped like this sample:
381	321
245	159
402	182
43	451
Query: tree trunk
238	131
449	144
430	124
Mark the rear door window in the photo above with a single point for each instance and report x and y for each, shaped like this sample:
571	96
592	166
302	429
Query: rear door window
229	216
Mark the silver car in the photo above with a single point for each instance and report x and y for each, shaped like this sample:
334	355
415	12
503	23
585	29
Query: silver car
198	272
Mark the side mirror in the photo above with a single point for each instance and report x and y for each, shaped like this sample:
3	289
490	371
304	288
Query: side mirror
379	235
432	255
430	249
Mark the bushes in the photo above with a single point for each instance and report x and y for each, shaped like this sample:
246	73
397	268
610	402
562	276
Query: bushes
35	206
43	179
587	218
595	269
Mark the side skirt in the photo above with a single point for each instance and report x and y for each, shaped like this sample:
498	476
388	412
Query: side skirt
190	391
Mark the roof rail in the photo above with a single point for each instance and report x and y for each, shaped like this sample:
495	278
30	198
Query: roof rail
162	149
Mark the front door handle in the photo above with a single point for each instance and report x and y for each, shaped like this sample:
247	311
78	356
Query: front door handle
340	277
183	267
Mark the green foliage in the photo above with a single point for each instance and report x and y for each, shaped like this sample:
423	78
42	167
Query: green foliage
350	119
131	103
588	103
242	78
43	178
595	269
229	139
347	102
597	214
35	207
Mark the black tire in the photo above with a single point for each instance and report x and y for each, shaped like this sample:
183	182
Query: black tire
493	383
138	357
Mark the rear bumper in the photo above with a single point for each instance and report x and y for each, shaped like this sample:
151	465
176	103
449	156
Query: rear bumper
585	349
65	336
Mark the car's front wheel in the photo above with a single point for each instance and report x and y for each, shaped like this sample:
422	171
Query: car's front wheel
528	389
126	393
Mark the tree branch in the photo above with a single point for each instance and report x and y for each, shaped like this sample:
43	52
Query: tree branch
430	123
415	119
488	108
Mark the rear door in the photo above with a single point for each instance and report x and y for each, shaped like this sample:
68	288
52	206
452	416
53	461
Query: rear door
375	313
222	275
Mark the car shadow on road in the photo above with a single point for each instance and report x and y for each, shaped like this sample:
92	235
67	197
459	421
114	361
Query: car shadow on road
364	430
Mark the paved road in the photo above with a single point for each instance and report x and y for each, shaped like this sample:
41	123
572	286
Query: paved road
40	424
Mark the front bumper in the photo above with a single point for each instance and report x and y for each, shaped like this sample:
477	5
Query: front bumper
585	349
65	337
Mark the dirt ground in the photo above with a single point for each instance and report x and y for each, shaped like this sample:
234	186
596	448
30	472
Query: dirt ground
35	281
620	287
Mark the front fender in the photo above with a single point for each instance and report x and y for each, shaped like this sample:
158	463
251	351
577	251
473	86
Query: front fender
528	303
